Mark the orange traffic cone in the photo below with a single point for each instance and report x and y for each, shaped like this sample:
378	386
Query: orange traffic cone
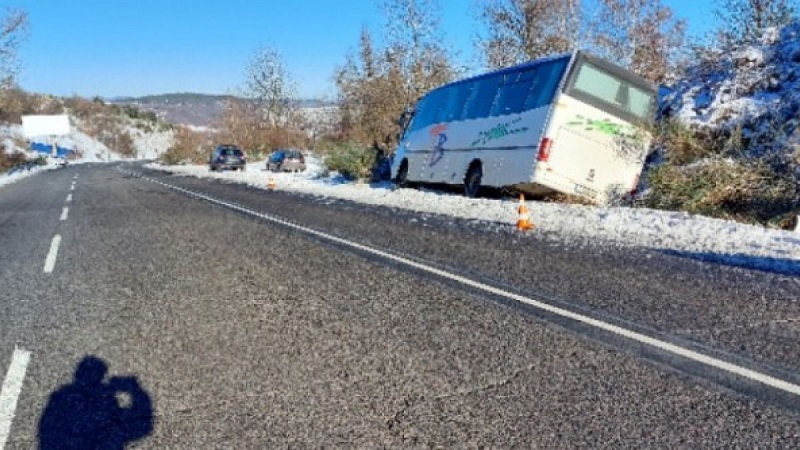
271	184
524	220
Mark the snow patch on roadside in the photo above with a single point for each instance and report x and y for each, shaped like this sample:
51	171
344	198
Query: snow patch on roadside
15	175
696	236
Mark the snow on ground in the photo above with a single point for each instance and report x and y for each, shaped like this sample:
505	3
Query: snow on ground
15	175
754	88
693	236
151	145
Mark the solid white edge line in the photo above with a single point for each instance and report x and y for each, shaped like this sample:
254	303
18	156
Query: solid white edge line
64	213
9	393
611	328
50	261
69	198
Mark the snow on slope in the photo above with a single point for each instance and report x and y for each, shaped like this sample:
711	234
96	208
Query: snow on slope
147	145
151	145
755	87
700	237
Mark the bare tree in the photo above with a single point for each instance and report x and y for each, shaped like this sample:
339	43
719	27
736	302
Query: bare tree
521	30
375	85
269	85
744	21
416	45
266	117
14	28
641	35
372	94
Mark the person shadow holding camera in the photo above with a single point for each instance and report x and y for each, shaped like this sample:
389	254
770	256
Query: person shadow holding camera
95	413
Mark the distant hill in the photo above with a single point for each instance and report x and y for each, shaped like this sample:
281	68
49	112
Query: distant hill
181	108
192	108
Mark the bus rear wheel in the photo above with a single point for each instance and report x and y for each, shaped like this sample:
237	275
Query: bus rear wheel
472	182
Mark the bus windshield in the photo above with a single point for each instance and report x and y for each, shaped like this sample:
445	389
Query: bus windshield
607	90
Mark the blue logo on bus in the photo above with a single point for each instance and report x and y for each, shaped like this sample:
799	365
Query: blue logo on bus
438	138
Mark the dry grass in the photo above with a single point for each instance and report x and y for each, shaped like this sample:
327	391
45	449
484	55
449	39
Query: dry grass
747	191
709	172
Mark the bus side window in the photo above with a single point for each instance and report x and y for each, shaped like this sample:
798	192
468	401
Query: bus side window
544	84
622	96
453	103
511	96
640	103
480	99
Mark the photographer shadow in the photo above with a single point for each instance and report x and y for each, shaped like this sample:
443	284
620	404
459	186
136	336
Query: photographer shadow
93	412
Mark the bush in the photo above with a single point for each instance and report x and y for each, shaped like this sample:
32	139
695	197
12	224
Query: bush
715	173
680	144
189	147
747	191
7	161
15	103
125	145
83	108
350	159
137	114
113	136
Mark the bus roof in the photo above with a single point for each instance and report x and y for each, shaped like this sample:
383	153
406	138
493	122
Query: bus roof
606	65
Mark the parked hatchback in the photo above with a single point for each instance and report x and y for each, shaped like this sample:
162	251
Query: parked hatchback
287	160
227	157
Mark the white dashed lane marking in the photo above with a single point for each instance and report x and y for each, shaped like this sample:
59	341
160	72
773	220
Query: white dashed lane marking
9	393
50	261
64	213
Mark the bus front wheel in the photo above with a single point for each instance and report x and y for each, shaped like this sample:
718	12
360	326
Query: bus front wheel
472	182
401	179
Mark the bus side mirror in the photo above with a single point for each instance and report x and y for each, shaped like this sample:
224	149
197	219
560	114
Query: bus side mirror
405	117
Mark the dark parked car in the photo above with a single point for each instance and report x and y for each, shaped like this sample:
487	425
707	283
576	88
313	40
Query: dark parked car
287	160
227	157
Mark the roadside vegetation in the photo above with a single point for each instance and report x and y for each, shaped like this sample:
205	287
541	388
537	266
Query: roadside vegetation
716	174
734	152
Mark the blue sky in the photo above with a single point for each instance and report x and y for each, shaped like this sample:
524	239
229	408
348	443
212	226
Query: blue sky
138	47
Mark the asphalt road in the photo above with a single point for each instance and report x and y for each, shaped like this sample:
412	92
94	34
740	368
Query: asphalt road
217	329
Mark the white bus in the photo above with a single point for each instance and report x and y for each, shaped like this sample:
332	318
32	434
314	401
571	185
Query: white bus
570	123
